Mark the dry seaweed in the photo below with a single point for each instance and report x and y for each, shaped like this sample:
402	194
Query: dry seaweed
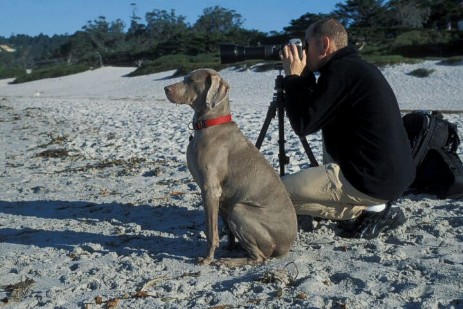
54	153
18	290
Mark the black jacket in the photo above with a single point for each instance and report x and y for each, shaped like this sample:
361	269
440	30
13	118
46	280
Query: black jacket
357	111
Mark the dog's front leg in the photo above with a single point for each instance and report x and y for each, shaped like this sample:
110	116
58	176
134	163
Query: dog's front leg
211	198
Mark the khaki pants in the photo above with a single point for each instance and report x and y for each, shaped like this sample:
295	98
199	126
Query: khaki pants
324	192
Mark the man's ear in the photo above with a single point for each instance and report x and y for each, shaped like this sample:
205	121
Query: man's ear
217	91
326	45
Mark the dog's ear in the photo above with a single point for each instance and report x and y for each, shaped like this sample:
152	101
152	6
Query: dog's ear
217	92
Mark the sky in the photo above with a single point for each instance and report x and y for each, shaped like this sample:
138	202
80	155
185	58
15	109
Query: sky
49	17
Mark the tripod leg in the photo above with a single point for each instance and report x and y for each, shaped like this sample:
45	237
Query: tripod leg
308	151
283	158
270	114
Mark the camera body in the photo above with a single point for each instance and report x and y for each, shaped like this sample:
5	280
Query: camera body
231	53
298	44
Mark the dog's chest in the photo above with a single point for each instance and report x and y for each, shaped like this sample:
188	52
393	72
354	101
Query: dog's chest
197	154
206	154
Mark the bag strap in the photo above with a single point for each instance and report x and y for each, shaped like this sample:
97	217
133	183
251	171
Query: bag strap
454	139
421	150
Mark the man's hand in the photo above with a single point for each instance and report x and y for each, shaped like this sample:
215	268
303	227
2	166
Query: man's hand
292	64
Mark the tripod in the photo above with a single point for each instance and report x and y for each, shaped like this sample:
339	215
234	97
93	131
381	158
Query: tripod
277	105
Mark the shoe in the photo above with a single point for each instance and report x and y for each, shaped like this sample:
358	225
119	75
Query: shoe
370	224
305	223
347	226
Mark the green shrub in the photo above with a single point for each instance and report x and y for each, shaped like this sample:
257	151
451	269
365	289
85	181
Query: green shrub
383	60
10	73
421	72
50	72
454	61
183	64
428	43
422	37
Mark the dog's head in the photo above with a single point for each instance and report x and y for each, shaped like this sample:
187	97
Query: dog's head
203	88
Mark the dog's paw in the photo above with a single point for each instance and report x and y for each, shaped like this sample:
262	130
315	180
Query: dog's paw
204	260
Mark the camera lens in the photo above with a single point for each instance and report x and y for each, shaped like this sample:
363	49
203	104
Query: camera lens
230	53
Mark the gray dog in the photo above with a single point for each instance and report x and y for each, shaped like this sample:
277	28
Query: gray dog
235	179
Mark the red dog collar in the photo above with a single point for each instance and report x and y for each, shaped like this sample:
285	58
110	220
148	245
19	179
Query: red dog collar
202	124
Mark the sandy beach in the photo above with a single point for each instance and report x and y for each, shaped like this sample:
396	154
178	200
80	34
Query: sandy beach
98	208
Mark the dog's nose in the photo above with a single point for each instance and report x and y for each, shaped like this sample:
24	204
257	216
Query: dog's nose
167	89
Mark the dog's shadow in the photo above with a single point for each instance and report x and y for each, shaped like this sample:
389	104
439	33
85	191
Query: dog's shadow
164	230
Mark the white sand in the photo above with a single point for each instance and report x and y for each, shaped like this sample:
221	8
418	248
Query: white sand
118	212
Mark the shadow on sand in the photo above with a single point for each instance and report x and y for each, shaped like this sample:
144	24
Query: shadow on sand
164	230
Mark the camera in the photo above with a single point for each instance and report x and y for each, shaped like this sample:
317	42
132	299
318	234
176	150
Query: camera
231	53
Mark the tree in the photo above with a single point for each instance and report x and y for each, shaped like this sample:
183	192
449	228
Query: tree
444	13
409	13
136	30
105	35
215	26
78	47
218	20
298	27
162	25
362	13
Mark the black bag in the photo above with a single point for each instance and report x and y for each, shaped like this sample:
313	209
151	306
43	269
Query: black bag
434	142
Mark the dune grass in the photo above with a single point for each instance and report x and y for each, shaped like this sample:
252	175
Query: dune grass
50	72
